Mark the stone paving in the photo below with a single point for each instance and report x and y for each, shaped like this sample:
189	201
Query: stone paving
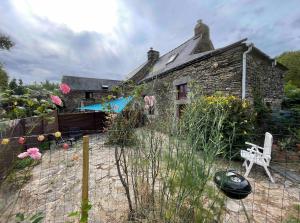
55	189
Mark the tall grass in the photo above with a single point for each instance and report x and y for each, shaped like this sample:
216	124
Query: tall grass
167	176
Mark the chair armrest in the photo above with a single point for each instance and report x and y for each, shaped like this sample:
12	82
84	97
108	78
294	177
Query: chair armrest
254	150
253	145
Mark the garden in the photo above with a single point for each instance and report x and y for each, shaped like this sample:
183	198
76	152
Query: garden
152	169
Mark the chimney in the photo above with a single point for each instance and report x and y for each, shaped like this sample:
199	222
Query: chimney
204	43
153	55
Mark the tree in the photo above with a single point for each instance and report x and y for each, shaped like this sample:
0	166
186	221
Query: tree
13	84
292	61
5	42
3	78
18	89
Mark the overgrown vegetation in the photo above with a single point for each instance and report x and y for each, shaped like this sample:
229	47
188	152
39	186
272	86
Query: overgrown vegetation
291	60
19	101
36	218
20	173
237	124
167	176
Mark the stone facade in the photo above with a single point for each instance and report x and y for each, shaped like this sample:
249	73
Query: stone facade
76	99
86	91
215	70
266	79
221	73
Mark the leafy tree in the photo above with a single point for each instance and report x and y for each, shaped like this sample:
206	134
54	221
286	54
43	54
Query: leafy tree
3	78
13	84
46	85
292	61
292	91
17	88
5	42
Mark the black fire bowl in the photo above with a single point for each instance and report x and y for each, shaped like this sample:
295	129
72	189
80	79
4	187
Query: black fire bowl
232	184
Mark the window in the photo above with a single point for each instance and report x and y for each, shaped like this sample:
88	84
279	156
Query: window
181	109
172	58
105	87
181	91
88	95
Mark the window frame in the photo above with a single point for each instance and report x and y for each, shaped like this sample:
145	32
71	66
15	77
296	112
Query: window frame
89	95
182	91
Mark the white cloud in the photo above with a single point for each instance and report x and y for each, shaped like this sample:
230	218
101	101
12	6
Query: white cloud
87	15
109	38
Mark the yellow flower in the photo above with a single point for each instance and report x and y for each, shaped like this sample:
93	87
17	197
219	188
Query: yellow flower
244	104
5	141
57	134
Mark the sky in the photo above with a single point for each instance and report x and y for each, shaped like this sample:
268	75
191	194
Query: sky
109	38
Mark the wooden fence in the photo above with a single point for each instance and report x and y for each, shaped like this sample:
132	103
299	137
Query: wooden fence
87	122
23	127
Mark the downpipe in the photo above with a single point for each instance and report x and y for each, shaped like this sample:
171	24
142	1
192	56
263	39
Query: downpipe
244	74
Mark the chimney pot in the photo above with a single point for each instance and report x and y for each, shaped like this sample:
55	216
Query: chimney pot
153	55
202	33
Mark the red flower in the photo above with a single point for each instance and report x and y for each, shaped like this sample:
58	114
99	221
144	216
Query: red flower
65	89
21	140
66	146
56	100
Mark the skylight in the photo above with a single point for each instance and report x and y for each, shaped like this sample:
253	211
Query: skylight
105	87
172	58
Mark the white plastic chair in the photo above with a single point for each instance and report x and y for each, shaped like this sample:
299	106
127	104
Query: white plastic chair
258	155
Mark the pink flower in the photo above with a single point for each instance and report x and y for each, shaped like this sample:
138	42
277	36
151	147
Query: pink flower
65	89
32	150
23	155
152	101
36	156
56	100
34	153
146	99
149	101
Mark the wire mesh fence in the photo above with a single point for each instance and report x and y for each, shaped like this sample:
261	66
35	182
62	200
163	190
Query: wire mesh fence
52	186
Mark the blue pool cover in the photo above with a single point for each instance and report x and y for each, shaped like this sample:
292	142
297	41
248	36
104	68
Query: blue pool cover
116	105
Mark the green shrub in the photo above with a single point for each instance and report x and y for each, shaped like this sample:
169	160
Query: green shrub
122	129
21	164
238	123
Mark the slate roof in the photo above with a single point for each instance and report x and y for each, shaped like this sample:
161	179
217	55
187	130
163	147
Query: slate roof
184	55
88	84
132	73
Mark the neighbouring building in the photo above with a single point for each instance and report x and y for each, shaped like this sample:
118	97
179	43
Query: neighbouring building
239	69
85	91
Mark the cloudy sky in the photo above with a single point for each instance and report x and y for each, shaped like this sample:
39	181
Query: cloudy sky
109	38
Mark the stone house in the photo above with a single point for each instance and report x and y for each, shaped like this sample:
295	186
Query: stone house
239	69
85	91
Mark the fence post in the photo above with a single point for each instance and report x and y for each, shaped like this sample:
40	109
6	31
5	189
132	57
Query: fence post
85	180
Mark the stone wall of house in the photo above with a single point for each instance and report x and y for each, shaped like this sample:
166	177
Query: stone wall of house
221	73
72	101
218	73
265	80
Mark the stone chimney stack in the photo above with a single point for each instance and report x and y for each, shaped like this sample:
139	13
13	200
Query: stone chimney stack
153	55
202	32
